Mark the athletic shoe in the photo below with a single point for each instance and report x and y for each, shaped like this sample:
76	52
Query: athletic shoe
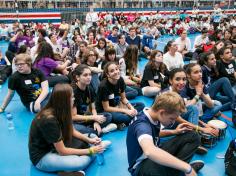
79	173
197	165
110	127
201	150
106	144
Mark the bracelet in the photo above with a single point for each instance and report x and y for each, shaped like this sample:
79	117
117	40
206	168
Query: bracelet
197	128
189	171
196	97
86	118
91	151
2	109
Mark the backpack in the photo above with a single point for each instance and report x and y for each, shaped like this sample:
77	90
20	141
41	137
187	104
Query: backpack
230	159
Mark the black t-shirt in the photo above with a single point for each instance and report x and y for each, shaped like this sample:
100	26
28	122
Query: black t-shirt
109	92
208	76
227	70
28	86
83	98
188	92
43	133
155	75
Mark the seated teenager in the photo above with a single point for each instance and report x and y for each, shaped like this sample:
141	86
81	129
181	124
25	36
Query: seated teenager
130	73
219	89
90	58
154	75
197	94
178	80
86	119
54	145
172	58
146	156
5	68
111	96
227	66
48	65
30	84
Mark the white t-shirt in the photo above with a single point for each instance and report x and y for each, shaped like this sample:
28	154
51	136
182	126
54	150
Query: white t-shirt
173	61
184	43
198	41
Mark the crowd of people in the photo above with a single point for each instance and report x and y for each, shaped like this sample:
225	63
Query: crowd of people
92	67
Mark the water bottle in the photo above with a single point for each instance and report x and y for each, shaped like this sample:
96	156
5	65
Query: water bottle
10	121
100	158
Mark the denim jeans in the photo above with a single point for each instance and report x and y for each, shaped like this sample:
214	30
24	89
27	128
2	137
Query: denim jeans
53	162
119	117
226	97
182	146
83	128
130	93
210	112
191	115
95	82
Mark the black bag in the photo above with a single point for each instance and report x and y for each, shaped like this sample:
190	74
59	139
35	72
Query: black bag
230	159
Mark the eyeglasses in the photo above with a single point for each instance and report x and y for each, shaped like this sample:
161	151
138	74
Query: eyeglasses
20	64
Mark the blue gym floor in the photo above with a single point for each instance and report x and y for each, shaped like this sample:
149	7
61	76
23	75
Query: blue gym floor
14	150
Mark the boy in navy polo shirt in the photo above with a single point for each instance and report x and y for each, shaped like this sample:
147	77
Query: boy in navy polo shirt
146	156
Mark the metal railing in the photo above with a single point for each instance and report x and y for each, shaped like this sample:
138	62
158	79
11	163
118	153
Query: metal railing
52	4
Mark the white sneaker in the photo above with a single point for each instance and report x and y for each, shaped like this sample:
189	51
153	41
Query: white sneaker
110	127
106	144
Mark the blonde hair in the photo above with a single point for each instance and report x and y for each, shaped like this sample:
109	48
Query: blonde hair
25	58
171	102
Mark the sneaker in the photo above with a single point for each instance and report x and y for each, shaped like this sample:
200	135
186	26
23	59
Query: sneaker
201	150
106	144
110	127
197	165
121	126
79	173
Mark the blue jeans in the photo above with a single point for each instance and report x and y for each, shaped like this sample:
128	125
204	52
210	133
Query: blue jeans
227	96
210	112
53	162
191	115
83	128
119	117
130	93
95	82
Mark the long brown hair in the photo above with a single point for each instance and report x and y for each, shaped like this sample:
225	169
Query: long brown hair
59	106
152	62
131	59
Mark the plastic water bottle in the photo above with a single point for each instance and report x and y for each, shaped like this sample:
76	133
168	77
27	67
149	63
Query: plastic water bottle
100	158
10	121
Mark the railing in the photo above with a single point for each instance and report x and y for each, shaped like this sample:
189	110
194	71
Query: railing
64	4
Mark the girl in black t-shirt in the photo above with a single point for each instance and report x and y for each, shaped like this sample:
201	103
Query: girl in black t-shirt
219	89
54	145
111	96
196	92
154	76
88	119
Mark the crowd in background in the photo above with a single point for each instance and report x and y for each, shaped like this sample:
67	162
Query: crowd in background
99	59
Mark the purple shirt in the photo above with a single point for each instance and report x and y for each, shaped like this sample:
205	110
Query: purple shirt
23	40
46	65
